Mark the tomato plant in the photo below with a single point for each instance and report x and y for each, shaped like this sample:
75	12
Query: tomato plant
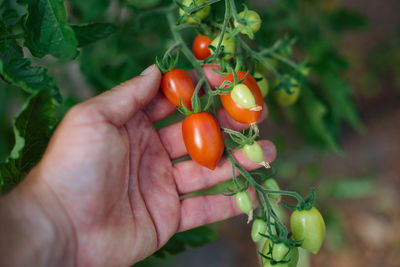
237	112
203	139
177	86
232	54
308	227
200	47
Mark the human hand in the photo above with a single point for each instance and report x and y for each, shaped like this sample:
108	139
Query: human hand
106	182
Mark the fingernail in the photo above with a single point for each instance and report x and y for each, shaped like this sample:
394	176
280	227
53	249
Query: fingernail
149	69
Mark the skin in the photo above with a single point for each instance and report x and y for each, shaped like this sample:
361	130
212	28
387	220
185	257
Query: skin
105	192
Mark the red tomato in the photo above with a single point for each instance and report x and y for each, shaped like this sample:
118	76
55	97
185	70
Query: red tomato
235	111
203	139
200	47
176	84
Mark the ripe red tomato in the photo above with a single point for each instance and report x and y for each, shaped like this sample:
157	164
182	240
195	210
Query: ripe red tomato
200	47
176	84
203	139
237	112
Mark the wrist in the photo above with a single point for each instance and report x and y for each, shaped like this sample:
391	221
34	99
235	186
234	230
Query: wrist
34	228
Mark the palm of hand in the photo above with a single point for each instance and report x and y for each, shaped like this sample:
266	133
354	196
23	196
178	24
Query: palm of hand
123	197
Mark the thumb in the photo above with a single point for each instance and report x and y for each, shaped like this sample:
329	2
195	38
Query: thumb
119	104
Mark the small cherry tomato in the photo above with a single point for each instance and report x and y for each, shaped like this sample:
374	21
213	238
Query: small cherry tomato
242	96
285	99
252	19
200	47
243	201
268	251
228	44
203	139
235	111
254	152
308	226
259	226
262	83
176	84
200	15
279	251
271	184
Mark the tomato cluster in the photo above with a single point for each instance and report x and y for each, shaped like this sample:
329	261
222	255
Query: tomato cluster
241	93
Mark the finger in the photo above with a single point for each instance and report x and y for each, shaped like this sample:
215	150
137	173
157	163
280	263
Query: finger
123	101
198	211
160	108
171	136
190	176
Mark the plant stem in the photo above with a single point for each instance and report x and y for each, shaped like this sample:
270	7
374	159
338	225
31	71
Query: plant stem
185	50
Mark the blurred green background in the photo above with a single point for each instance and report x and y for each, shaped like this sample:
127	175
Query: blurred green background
342	137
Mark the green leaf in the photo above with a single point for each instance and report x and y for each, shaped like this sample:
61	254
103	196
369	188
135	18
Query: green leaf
346	19
312	119
90	33
47	30
192	238
89	10
337	92
32	130
18	71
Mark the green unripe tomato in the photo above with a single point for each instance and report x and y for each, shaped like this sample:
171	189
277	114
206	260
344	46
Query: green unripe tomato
263	69
229	46
266	249
271	184
242	96
292	257
243	201
263	83
144	4
254	152
285	99
279	251
259	226
308	226
200	15
252	19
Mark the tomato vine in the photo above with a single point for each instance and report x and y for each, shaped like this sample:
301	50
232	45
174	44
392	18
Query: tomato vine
279	242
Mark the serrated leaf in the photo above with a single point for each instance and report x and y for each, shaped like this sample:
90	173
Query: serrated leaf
192	238
32	129
18	71
90	33
47	30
